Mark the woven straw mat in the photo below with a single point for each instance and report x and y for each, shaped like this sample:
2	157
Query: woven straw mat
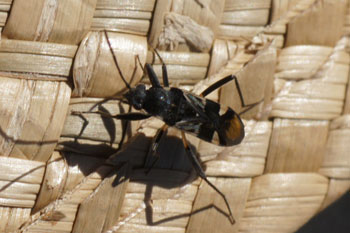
65	166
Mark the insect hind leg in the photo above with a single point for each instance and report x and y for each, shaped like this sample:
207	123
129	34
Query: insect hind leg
217	85
201	173
244	105
250	106
222	82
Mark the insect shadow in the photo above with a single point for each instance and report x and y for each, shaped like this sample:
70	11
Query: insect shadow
102	148
172	170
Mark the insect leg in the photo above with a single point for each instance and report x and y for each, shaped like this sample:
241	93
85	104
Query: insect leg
222	82
132	116
164	69
152	153
250	106
217	85
201	173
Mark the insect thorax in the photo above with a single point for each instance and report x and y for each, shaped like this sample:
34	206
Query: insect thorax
167	104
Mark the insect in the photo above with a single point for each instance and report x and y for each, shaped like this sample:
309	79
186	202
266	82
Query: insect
190	113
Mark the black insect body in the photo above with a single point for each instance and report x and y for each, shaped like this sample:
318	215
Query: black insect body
190	113
187	112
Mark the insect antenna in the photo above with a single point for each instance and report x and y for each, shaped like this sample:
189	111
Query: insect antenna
143	69
121	75
116	61
158	55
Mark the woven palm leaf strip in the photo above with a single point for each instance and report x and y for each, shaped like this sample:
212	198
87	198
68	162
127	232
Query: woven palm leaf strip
65	169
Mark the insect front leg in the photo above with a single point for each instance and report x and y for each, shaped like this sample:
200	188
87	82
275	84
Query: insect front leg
201	173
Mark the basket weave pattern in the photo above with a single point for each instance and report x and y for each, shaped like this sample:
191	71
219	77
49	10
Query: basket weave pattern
65	168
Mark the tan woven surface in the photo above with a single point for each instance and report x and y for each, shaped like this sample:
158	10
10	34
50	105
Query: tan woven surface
61	171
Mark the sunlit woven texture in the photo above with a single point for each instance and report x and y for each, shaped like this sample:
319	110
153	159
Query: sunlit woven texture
65	169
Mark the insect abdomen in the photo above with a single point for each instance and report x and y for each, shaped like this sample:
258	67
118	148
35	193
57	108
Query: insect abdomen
217	125
231	130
